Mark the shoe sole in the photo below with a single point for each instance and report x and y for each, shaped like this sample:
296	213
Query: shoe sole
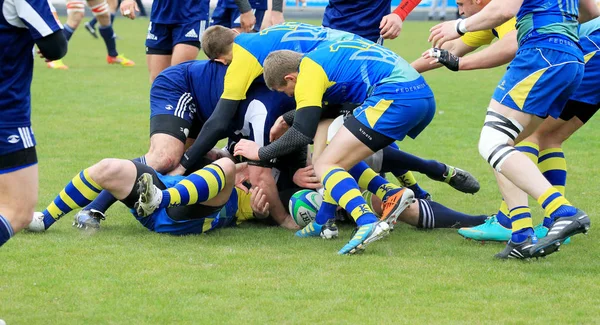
400	206
91	30
144	193
362	246
546	247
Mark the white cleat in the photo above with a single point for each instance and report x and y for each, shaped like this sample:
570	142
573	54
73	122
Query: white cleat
150	196
37	223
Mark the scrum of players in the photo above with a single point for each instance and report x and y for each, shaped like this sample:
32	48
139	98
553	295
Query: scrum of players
273	88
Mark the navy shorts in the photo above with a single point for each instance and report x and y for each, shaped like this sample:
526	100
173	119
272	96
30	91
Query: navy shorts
162	38
230	17
17	149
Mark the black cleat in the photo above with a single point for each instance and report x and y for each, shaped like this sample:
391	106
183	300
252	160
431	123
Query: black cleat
91	29
517	251
459	179
560	230
88	219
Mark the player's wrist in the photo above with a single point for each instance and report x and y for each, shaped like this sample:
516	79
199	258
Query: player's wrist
461	27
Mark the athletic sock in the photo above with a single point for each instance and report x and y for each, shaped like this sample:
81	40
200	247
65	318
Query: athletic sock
78	193
553	165
107	34
394	160
6	230
200	186
68	31
435	215
327	209
93	22
555	205
369	179
502	216
344	190
522	226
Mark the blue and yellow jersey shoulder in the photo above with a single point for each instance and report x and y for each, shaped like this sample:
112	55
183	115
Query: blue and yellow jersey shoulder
544	23
589	38
251	50
485	37
347	71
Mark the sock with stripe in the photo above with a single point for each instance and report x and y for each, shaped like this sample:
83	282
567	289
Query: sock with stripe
344	190
369	179
553	165
522	225
407	179
531	150
6	230
68	31
200	186
78	193
327	209
435	215
108	34
555	205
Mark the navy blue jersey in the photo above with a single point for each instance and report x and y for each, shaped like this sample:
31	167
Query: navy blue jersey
205	82
179	11
21	22
360	17
255	4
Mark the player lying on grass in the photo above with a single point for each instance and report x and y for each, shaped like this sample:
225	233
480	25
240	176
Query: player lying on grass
180	104
527	94
544	146
100	9
396	101
202	201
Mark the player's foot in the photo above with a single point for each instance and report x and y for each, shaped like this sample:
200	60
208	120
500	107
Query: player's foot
58	65
541	231
561	229
91	29
37	223
490	230
395	204
120	59
460	179
150	196
88	219
517	250
327	231
365	235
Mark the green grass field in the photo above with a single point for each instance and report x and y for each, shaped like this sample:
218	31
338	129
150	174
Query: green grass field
124	274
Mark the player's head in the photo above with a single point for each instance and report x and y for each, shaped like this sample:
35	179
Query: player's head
468	8
217	43
281	70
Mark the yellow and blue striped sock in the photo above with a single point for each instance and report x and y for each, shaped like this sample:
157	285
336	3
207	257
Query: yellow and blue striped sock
78	193
555	204
369	179
344	190
6	230
200	186
522	225
553	166
503	215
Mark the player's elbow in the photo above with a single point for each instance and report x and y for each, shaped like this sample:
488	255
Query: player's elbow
54	46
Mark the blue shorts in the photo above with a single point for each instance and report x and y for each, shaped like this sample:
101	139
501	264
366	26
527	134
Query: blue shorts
17	149
160	222
162	38
539	81
396	117
589	89
230	17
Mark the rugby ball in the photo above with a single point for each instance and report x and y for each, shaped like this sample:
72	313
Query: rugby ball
304	205
373	202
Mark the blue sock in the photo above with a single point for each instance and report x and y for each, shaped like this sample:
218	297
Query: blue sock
6	230
547	222
419	192
369	179
395	161
435	215
503	220
112	18
520	236
107	34
326	212
48	220
93	22
68	31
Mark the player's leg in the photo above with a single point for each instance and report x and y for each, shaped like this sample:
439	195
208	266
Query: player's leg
75	13
186	40
101	11
159	48
18	196
210	186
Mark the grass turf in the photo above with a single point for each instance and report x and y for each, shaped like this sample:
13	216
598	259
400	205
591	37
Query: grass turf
125	274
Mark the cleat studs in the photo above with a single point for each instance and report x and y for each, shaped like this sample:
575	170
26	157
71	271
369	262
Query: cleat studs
542	251
557	244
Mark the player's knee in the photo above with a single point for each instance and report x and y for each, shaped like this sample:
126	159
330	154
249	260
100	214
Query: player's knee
101	9
497	138
106	170
162	159
228	167
75	7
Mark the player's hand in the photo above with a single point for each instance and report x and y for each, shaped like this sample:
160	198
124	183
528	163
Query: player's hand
442	33
278	129
306	178
277	17
179	170
258	203
247	21
247	148
444	57
390	26
241	175
129	8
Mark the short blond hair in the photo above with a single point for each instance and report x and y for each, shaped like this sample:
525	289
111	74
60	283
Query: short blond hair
279	64
217	41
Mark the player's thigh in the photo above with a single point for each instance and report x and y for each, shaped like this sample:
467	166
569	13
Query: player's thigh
19	195
159	48
186	40
345	150
184	52
157	63
528	123
114	175
320	139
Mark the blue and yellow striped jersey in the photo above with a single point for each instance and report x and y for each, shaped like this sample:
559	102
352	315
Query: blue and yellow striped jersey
548	23
251	50
348	71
